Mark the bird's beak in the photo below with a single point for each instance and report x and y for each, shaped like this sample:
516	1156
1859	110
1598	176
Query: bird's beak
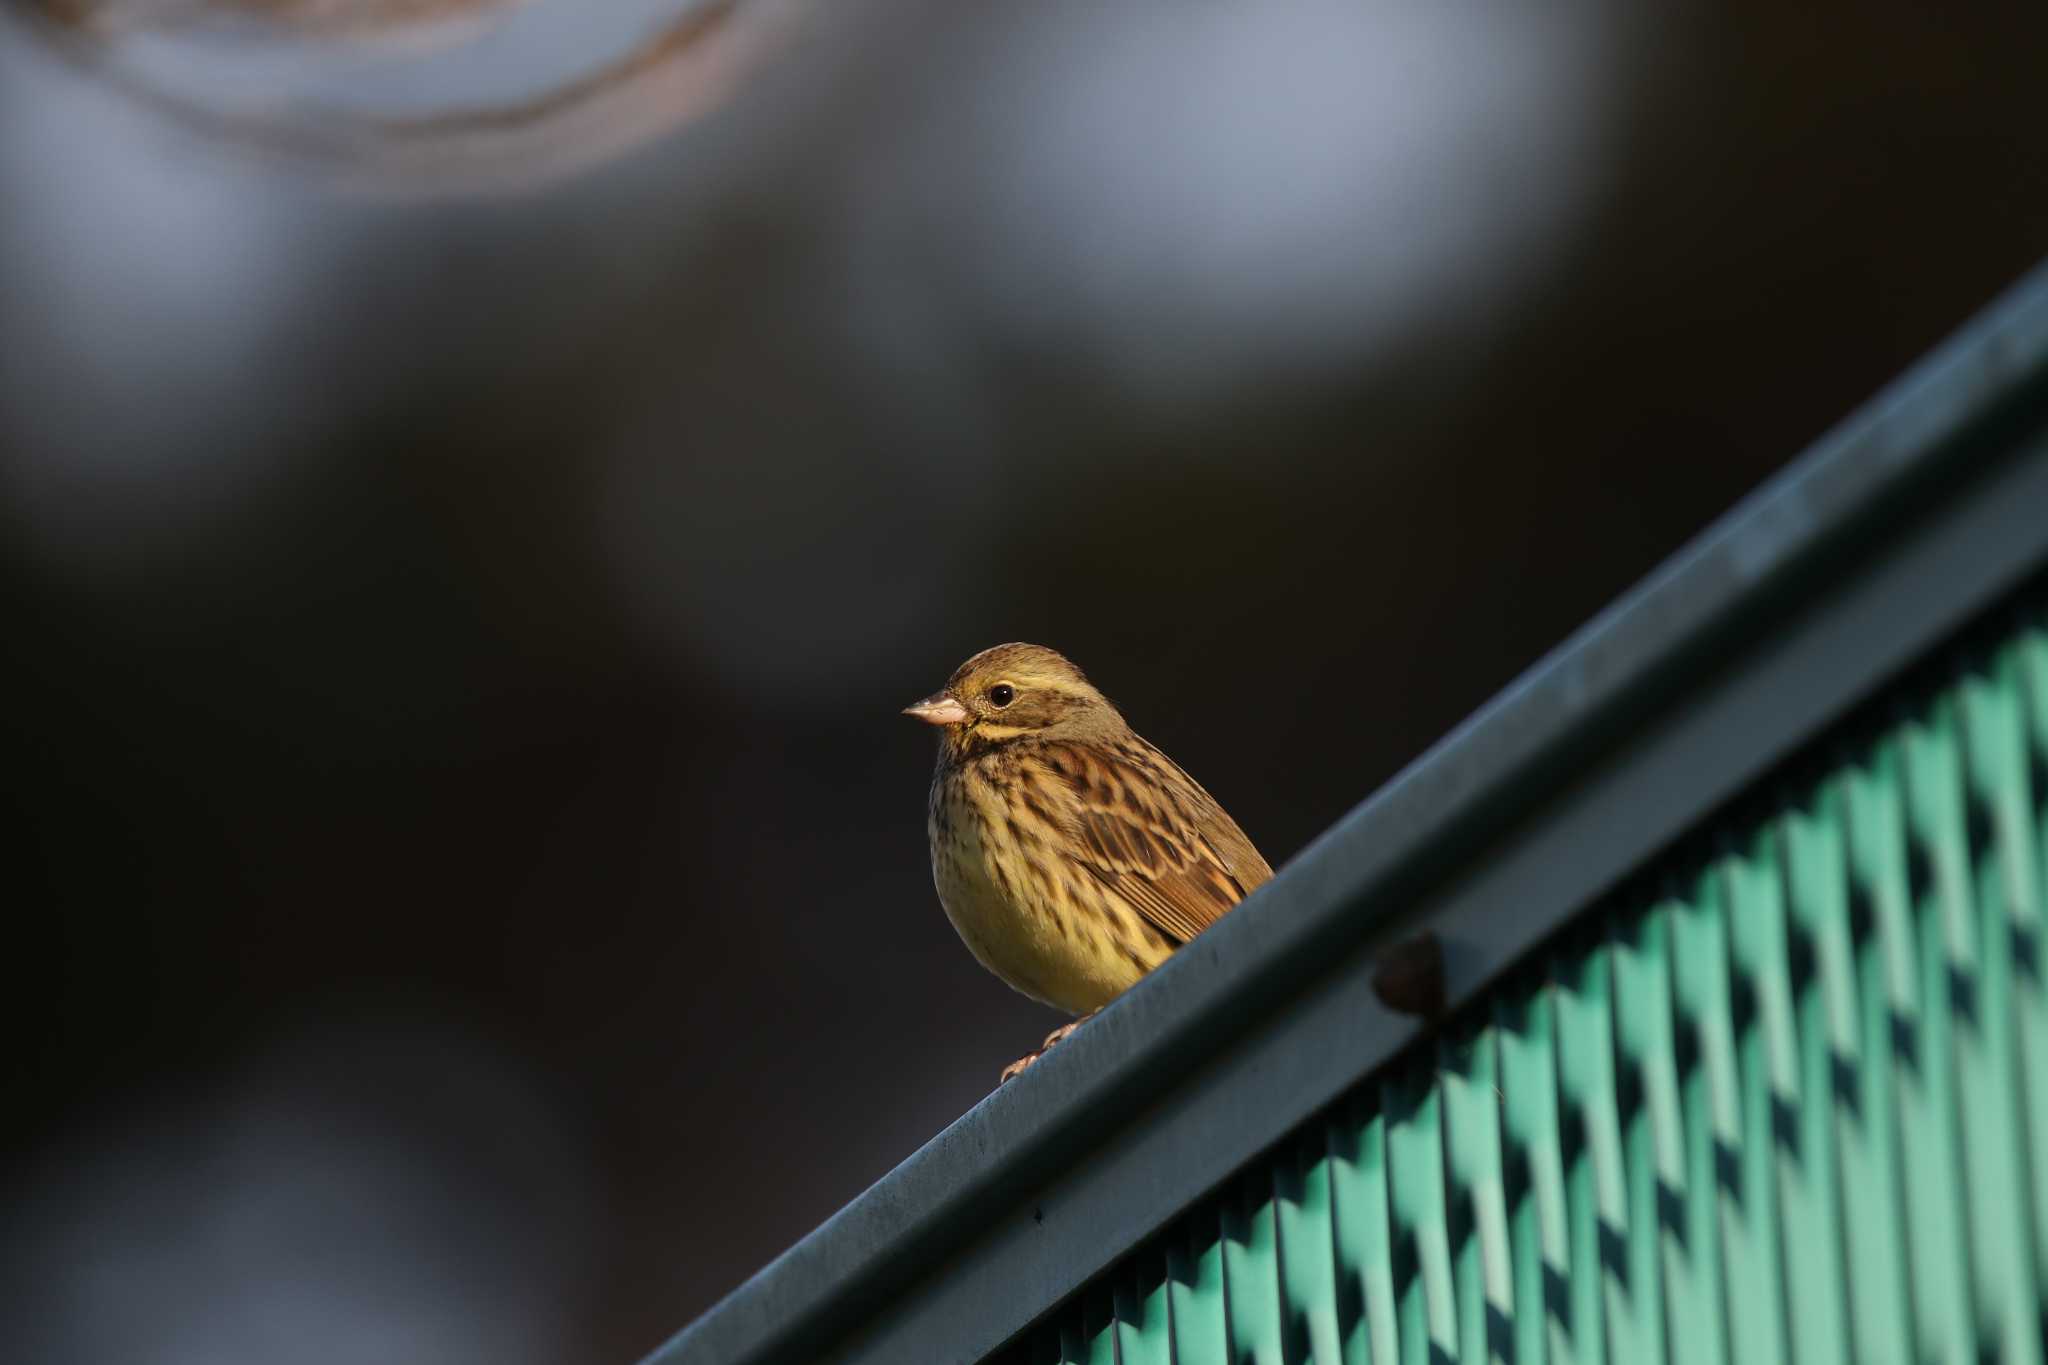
938	709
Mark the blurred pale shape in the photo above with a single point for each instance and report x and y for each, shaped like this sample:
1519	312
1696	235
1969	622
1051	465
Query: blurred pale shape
204	320
386	1191
151	408
115	16
425	93
1197	201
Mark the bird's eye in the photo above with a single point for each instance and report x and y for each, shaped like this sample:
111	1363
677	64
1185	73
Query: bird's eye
1002	694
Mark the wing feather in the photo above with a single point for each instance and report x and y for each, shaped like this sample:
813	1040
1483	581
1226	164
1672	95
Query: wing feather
1149	833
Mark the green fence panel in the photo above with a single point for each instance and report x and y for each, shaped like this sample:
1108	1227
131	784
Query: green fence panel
1481	1257
1251	1272
1759	1010
1426	1315
1790	1107
1194	1262
2009	764
1307	1250
1704	1042
1357	1136
1540	1244
1652	1135
1143	1317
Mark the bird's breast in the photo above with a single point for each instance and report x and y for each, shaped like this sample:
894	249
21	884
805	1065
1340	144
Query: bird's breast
1022	909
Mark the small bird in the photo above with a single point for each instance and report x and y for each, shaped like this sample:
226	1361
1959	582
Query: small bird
1071	856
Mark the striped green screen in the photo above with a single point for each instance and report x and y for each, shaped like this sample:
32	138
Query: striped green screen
1787	1102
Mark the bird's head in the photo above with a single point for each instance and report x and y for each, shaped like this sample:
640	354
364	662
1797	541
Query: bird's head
1011	691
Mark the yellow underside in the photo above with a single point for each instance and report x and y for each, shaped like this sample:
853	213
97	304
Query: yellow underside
1020	939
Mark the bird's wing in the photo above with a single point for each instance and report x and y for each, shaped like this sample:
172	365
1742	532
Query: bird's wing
1149	833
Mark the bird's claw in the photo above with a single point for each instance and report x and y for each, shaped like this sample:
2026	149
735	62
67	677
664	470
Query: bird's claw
1059	1035
1052	1040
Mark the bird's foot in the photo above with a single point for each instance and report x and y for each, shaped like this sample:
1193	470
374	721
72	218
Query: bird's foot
1059	1035
1052	1040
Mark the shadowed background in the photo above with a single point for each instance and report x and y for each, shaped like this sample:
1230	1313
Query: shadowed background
467	874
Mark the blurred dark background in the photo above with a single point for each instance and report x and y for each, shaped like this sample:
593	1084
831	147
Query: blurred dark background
466	871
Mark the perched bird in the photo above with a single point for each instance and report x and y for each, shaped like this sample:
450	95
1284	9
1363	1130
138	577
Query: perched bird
1071	856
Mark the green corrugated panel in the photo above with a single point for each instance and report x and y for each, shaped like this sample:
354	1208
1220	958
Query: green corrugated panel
1479	1225
1308	1250
2003	766
1999	875
1755	925
1592	1148
1825	1024
1652	1140
1426	1318
1143	1319
1195	1298
1929	1155
1251	1272
1365	1253
1539	1241
1792	1110
1696	1281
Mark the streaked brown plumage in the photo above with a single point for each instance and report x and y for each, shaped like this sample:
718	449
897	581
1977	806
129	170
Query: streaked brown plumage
1071	856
